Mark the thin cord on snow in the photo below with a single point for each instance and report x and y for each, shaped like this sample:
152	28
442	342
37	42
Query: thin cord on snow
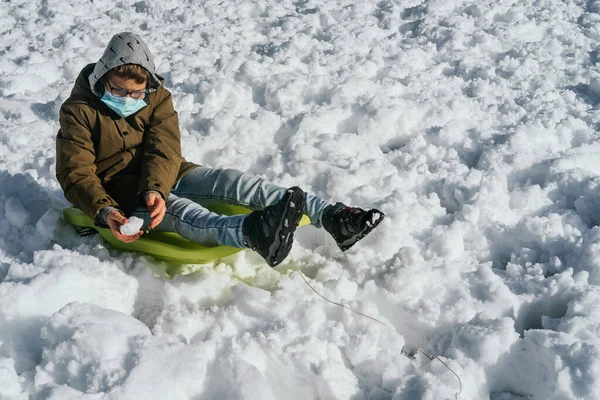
338	304
430	356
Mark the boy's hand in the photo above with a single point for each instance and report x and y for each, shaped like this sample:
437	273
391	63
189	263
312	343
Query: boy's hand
115	219
157	207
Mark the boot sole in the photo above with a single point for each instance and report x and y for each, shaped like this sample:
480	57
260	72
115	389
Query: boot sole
284	235
368	229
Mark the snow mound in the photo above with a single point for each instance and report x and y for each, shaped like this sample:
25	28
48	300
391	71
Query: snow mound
89	348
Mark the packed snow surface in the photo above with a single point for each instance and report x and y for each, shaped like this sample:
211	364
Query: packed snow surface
471	124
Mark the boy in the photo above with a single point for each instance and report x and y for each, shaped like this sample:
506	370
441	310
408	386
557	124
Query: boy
118	154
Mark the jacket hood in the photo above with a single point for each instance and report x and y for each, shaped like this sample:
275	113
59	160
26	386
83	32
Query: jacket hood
82	84
124	48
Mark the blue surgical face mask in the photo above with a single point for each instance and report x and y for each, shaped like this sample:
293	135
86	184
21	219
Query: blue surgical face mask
124	106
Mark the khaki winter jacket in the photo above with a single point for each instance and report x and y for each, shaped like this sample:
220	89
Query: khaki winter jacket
104	160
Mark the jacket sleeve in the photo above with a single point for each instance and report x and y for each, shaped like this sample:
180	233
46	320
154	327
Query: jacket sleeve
75	167
162	150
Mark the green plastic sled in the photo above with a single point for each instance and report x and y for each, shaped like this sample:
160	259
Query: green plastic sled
167	246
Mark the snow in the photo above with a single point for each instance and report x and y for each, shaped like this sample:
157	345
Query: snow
471	125
133	226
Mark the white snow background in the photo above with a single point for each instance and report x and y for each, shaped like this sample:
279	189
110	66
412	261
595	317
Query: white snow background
471	124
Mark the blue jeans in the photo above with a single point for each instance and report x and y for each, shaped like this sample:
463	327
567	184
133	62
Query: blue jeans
186	215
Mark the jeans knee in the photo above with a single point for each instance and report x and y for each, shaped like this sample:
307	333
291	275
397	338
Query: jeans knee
237	180
230	174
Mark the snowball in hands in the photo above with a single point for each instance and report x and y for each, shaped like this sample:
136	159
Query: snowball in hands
133	226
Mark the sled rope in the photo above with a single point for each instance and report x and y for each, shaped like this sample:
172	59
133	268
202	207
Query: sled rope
430	356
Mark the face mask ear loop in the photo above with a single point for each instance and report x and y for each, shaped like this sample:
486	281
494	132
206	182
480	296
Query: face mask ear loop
99	88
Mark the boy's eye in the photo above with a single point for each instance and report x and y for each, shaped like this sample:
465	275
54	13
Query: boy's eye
136	94
119	91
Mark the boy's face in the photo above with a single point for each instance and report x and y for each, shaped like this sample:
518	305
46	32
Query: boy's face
125	87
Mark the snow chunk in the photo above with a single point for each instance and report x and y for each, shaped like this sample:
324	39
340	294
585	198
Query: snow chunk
10	382
171	370
133	226
32	83
486	341
448	242
48	224
15	213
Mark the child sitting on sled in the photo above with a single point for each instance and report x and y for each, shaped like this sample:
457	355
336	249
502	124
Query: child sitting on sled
118	154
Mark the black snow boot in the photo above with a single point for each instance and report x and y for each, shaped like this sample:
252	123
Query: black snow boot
270	232
348	225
